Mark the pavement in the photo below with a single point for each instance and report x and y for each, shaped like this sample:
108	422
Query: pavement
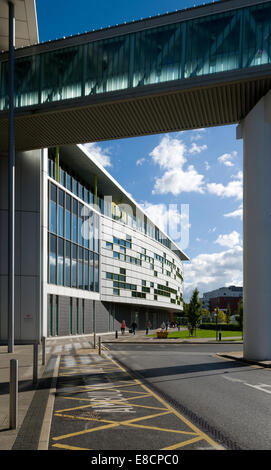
36	401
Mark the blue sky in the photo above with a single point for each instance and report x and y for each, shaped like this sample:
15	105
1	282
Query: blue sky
200	168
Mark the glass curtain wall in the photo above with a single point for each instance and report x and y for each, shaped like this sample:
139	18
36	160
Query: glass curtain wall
71	261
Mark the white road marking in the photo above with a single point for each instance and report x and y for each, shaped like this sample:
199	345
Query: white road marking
261	387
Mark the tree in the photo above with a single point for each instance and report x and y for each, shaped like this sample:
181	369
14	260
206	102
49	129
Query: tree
228	315
205	314
193	310
221	317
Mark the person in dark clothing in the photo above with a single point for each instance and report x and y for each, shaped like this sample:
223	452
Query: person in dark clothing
134	326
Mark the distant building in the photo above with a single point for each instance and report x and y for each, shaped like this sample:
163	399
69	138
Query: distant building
222	297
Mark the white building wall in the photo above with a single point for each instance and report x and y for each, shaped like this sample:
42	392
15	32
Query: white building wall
134	272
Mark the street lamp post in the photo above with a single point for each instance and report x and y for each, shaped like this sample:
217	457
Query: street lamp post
216	315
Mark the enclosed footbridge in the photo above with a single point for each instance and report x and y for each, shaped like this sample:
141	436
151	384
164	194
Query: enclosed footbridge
198	67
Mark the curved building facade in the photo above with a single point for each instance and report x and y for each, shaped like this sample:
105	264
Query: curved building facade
104	260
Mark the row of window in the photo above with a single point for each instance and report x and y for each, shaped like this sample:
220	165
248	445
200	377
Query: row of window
72	220
70	265
74	184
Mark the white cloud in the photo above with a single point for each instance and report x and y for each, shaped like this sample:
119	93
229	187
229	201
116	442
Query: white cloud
207	166
227	158
237	213
209	271
140	161
170	156
232	189
229	239
97	153
197	148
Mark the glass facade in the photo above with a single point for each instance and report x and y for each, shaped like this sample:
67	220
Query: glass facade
118	213
206	45
73	242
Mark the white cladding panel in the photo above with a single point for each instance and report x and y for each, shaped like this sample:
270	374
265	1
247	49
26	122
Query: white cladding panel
115	257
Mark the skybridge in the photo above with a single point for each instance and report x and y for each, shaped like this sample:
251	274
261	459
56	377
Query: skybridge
199	67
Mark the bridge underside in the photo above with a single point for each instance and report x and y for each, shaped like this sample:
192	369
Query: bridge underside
169	107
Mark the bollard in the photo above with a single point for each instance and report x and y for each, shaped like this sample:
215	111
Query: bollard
35	363
43	342
116	334
220	336
94	340
100	345
13	394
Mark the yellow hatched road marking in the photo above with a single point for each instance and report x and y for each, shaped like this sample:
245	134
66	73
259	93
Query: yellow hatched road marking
108	424
175	412
63	446
156	428
183	443
111	402
78	433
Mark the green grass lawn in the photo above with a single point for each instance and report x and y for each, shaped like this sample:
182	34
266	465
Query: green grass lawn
202	334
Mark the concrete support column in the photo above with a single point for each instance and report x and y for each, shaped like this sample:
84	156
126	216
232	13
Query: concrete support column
255	130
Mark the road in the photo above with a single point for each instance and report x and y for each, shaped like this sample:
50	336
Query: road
230	400
100	406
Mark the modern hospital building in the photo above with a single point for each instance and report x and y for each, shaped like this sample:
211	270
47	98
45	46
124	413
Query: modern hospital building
86	255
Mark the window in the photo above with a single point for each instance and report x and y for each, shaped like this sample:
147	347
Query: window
86	272
60	262
60	218
109	245
74	265
52	259
116	292
122	271
91	271
109	276
74	220
80	267
68	217
96	272
52	222
155	273
67	264
143	283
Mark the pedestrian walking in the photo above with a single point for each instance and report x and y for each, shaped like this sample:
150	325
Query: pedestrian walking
148	327
123	326
134	326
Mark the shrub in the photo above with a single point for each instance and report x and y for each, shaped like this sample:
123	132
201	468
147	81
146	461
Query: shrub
220	326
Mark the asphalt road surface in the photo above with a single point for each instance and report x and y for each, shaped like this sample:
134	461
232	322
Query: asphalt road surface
228	399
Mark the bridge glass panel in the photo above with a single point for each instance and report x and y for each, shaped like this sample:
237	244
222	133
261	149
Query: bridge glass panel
213	44
61	74
257	35
157	55
107	65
